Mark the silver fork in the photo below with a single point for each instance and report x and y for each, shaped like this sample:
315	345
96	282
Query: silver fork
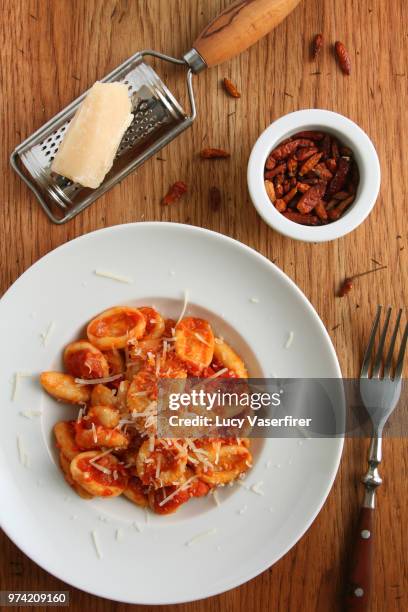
380	397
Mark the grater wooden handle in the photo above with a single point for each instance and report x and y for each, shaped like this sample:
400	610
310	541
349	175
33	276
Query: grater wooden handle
239	26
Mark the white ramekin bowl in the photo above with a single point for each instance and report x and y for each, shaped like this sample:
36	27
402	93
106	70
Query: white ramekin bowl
348	134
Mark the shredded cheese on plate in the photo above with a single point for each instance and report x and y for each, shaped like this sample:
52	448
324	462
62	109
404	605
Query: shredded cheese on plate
112	276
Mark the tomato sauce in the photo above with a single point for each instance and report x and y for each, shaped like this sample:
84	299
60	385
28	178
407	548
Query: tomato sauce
85	364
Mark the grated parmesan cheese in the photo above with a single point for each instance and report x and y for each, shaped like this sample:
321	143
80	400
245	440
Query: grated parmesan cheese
201	536
16	382
257	488
119	534
97	381
183	487
95	541
216	498
102	468
243	510
254	300
201	339
22	454
217	374
183	311
94	434
45	336
289	340
137	526
29	414
116	277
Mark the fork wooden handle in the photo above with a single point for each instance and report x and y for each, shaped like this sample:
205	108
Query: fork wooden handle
360	574
239	26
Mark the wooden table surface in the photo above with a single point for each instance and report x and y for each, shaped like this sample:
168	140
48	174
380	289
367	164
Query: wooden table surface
51	50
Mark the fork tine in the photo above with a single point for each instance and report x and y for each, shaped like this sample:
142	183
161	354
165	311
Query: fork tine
388	361
378	358
400	361
369	349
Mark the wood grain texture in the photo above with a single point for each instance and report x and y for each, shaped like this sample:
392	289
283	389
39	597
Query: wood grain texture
239	26
51	50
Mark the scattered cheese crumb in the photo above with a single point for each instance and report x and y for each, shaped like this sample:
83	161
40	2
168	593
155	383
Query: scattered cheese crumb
257	488
216	498
219	548
116	277
289	340
217	374
95	541
242	484
200	536
73	517
29	414
22	455
254	300
172	272
268	463
45	336
243	510
119	534
137	526
16	382
183	311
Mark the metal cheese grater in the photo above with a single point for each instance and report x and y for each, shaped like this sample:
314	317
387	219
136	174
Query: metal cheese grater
158	117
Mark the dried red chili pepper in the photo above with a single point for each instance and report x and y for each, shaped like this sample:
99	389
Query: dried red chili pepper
339	178
302	219
347	284
335	149
310	135
317	45
310	164
270	163
290	195
305	153
286	186
278	170
331	164
283	151
303	187
320	211
231	89
336	212
322	172
279	190
270	190
174	193
346	287
292	166
214	196
343	57
280	205
213	153
326	146
309	199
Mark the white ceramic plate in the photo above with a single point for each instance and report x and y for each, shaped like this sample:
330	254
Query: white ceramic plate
147	561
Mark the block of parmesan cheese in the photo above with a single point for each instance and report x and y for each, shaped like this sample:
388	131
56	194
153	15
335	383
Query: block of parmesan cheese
92	139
